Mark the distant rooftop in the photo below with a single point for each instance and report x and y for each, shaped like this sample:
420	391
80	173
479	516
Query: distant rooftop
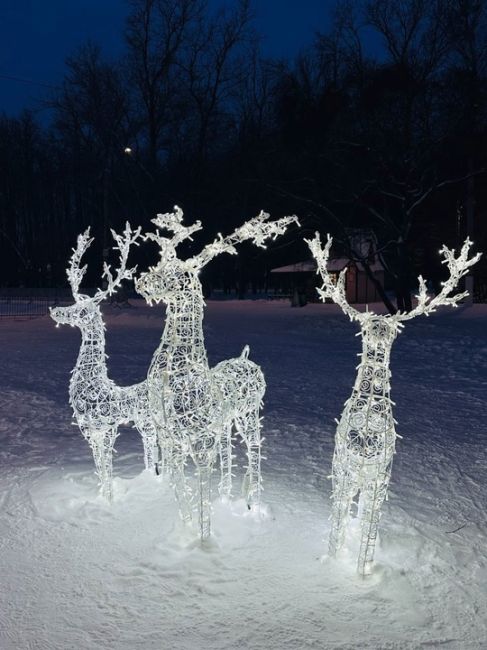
335	265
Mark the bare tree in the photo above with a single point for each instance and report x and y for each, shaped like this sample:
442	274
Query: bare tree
93	102
464	103
214	68
157	31
340	50
93	120
413	32
256	96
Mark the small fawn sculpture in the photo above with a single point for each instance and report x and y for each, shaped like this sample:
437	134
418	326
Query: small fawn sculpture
194	406
99	405
365	436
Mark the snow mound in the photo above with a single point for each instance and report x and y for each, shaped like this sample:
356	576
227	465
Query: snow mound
78	573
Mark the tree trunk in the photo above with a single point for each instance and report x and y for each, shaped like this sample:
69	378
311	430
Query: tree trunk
379	288
403	279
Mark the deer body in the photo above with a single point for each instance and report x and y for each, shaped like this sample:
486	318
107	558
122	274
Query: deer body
365	442
99	405
182	402
365	436
197	406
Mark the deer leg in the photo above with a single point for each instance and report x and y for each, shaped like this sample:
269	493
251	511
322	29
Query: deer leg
372	498
102	447
203	452
345	488
226	457
204	500
179	482
151	454
165	452
151	450
252	483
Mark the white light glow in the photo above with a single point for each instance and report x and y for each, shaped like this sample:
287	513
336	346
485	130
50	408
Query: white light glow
99	405
197	409
365	436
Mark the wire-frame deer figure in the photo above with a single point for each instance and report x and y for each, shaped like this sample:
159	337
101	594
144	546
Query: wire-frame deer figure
365	436
99	405
194	406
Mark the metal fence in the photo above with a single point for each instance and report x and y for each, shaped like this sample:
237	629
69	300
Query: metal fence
24	302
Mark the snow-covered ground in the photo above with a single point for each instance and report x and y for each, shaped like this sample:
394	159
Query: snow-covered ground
78	574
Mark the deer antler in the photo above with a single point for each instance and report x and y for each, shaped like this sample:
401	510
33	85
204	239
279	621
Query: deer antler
173	222
258	230
124	242
458	268
74	272
329	289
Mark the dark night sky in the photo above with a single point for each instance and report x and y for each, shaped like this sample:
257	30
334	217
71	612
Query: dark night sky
36	36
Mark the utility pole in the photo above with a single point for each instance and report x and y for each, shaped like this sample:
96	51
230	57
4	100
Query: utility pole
470	215
105	206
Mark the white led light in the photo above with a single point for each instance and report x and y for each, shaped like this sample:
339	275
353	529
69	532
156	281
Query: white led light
99	405
365	436
196	408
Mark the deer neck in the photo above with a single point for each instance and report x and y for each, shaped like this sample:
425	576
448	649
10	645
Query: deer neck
373	373
92	358
184	331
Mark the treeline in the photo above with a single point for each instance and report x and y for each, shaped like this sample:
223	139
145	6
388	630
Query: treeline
379	124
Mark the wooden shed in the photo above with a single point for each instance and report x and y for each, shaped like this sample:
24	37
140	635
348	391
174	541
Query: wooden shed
303	277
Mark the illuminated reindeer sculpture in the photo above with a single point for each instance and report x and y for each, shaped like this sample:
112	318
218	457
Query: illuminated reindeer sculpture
194	406
99	405
365	436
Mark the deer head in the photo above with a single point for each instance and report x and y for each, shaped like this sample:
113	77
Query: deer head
458	267
86	308
172	277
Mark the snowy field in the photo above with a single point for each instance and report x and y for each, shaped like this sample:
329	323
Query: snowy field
78	574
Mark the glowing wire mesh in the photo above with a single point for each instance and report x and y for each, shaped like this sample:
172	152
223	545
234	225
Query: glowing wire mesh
195	408
365	436
99	405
